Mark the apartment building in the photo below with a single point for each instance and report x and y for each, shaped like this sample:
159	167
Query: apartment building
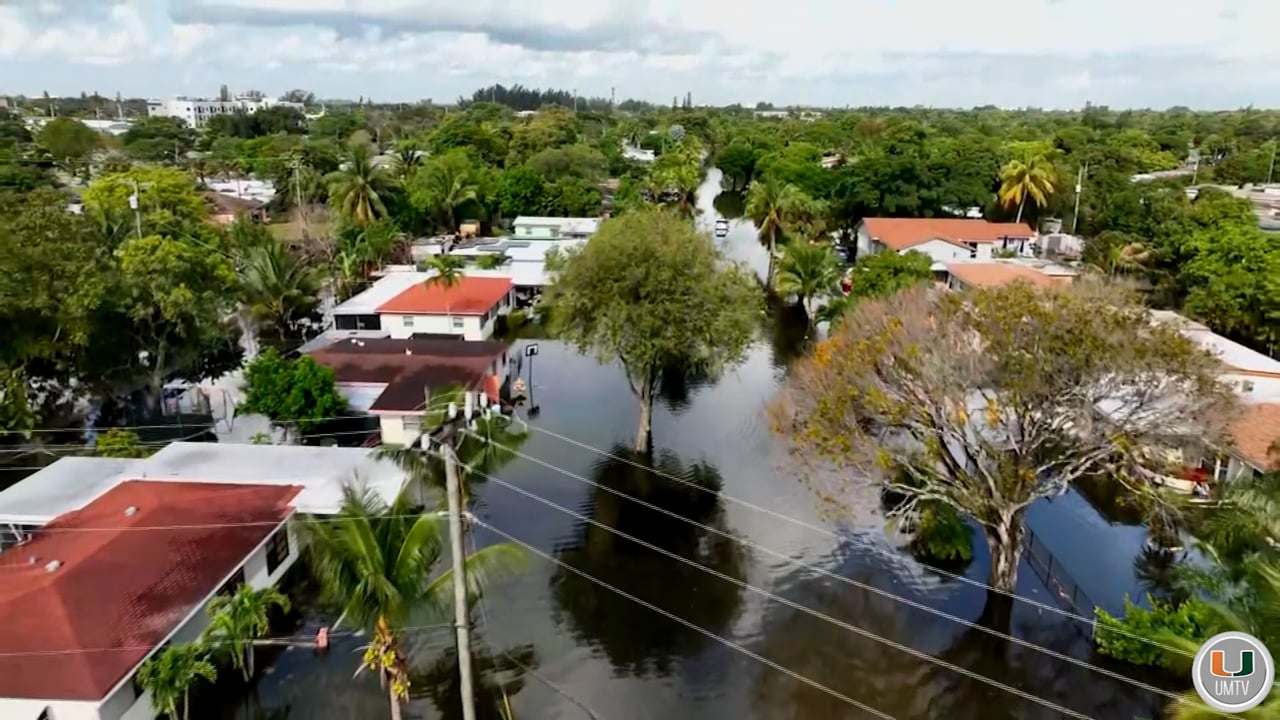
197	112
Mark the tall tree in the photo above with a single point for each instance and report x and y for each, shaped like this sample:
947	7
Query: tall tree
236	621
447	274
443	185
1030	177
772	206
376	560
357	189
298	393
279	288
991	399
808	271
649	291
169	676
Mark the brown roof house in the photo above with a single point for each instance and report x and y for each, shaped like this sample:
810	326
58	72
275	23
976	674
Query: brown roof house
962	275
226	209
943	239
391	377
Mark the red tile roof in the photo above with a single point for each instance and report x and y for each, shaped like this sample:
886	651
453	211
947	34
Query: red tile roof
904	233
121	588
1255	431
471	296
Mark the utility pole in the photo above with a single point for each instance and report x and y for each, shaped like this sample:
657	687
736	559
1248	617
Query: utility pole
1271	170
295	165
446	436
1075	214
136	203
575	99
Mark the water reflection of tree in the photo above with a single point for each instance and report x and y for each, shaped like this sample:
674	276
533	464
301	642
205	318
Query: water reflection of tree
635	639
912	688
788	330
730	205
498	677
678	383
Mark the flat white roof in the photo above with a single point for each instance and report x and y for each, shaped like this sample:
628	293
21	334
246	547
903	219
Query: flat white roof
382	290
566	224
73	482
68	484
1232	353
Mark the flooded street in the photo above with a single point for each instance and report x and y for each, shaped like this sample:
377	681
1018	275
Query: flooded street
565	646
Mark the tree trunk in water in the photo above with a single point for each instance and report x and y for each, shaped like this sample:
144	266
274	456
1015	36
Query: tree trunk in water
1004	540
395	702
645	430
772	243
1021	204
186	705
248	663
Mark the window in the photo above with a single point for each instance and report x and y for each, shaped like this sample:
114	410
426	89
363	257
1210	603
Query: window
1246	386
229	588
458	323
407	321
277	549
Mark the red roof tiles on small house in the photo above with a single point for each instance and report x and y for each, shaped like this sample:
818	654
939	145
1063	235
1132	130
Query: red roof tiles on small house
905	233
997	274
471	296
1255	431
131	567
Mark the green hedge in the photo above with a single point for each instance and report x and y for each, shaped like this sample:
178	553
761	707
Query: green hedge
1193	620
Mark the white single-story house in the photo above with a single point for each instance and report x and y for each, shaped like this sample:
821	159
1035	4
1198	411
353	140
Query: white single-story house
91	594
1255	377
402	305
392	377
526	259
944	239
553	228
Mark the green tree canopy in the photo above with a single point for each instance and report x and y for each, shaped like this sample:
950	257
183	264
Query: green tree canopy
296	392
65	138
647	291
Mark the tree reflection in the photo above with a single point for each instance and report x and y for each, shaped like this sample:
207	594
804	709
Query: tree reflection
730	205
622	629
497	678
788	329
678	383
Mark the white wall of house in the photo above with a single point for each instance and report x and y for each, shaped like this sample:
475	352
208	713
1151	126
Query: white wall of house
1253	388
467	326
123	703
941	251
536	232
399	428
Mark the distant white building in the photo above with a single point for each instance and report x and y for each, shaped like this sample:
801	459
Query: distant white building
528	227
197	111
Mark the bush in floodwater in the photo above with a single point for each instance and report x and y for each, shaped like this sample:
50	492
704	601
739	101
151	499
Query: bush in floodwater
942	535
1193	620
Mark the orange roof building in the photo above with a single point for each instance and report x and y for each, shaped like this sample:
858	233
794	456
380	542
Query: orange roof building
465	311
901	234
964	275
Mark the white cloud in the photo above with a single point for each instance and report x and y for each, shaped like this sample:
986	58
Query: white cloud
1051	52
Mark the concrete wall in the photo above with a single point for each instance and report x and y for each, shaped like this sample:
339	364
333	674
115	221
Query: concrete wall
399	429
1259	389
123	703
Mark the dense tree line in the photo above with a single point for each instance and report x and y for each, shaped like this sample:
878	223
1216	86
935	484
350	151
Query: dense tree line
518	97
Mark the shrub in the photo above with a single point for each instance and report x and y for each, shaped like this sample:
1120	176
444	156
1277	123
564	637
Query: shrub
1193	620
942	535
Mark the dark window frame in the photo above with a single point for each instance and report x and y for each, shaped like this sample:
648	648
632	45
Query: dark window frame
277	549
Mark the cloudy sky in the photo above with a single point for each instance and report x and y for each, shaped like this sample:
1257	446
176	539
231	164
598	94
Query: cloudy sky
1047	53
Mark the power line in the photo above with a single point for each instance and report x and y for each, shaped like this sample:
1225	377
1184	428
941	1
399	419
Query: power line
484	624
863	586
697	628
794	605
35	449
836	536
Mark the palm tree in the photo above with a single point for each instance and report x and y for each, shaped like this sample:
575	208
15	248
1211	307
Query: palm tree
1032	177
168	677
236	621
834	311
492	261
278	288
408	157
357	188
772	205
1129	258
808	270
375	560
448	275
443	185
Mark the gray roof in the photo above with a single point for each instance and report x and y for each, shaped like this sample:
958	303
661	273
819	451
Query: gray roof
73	482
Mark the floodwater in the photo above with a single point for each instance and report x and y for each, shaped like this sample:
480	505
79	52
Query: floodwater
659	641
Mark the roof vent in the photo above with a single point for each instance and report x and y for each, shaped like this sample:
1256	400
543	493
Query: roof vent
54	565
131	511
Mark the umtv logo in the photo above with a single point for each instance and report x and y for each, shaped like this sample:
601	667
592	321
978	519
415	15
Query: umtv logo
1233	672
1233	687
